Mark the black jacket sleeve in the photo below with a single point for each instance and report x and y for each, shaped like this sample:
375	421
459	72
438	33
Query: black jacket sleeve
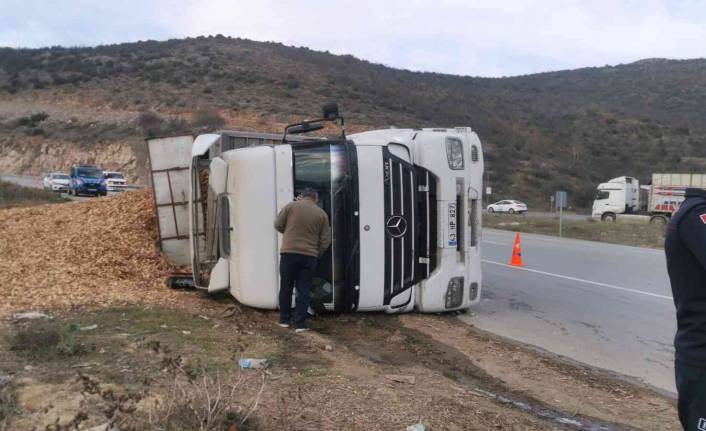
692	231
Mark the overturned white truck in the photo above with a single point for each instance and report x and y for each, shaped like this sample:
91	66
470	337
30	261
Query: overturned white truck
404	207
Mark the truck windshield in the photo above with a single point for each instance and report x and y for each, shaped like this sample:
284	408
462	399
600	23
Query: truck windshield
89	173
326	167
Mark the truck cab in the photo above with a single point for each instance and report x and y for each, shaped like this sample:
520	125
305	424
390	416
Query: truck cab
617	196
403	205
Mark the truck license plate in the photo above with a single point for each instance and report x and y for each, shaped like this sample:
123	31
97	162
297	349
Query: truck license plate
452	230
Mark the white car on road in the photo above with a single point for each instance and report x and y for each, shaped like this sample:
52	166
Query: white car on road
56	181
508	206
115	181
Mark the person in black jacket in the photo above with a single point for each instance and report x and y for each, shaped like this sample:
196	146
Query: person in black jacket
685	248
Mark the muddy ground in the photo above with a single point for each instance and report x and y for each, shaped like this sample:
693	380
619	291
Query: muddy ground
148	367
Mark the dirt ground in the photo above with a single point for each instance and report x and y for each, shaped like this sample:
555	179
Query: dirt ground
121	351
634	234
363	371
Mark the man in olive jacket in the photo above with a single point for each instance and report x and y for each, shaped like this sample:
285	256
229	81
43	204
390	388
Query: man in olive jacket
306	236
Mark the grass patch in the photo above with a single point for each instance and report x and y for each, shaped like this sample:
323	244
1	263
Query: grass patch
633	234
13	195
45	340
8	404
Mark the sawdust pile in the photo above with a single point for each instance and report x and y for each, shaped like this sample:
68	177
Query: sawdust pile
100	252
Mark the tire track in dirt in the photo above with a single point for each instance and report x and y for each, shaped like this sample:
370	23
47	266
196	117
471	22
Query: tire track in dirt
417	348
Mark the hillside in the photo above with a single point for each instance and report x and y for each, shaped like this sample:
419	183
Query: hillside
560	130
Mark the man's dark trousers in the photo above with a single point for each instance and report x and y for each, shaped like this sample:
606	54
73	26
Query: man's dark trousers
691	385
295	269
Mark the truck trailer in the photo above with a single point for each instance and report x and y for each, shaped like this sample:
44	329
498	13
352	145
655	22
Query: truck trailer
623	196
404	207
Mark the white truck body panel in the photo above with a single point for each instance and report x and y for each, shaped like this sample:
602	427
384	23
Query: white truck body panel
254	254
427	154
667	191
170	159
372	243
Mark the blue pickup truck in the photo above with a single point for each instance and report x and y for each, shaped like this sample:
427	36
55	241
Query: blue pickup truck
87	180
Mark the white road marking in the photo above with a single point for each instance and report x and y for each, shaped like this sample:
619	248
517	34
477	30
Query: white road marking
581	280
494	242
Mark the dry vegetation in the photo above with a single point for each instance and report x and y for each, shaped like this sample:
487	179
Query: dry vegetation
566	130
162	369
634	234
13	195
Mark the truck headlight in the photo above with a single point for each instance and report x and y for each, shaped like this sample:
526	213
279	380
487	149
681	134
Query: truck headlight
454	293
454	153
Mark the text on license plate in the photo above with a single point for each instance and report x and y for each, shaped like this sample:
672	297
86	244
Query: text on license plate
452	230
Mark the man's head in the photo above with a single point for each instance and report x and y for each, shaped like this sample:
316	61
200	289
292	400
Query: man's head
309	193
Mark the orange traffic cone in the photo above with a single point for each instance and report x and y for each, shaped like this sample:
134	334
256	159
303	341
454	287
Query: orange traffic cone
516	259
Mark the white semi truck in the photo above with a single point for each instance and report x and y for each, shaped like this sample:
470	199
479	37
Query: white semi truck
623	196
404	207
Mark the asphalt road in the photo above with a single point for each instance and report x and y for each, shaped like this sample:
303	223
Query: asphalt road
34	182
601	304
23	180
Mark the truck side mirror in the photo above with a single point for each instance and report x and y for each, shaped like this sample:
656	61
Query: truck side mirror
217	176
330	111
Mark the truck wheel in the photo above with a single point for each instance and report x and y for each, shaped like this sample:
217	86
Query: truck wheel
658	220
608	217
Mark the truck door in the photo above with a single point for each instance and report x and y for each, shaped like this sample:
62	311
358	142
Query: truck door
330	168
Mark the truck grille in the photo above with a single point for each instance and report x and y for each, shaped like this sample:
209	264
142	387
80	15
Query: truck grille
399	188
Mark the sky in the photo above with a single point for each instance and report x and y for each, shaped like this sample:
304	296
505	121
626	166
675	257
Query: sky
464	37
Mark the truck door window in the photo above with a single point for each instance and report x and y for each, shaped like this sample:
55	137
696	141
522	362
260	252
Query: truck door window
602	194
325	168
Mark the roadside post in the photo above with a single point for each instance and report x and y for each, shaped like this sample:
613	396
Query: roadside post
560	200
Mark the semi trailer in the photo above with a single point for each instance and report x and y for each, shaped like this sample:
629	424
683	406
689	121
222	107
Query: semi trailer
404	207
624	197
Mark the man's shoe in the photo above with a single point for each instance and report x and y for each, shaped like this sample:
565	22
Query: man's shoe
300	330
283	325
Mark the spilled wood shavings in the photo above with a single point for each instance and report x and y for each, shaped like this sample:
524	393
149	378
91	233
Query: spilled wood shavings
100	252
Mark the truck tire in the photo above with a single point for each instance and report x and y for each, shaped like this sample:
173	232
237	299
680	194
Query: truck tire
659	220
608	217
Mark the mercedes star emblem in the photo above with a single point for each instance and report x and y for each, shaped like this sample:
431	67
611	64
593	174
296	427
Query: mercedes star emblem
396	226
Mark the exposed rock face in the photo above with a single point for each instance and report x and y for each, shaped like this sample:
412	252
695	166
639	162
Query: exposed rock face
36	156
